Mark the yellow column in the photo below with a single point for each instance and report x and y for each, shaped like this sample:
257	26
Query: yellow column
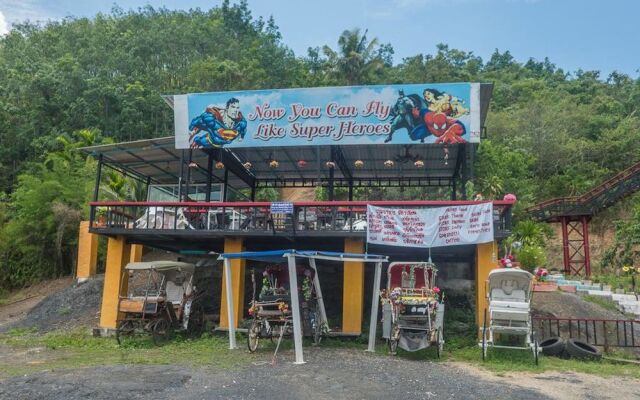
233	245
484	264
118	255
87	252
353	289
136	253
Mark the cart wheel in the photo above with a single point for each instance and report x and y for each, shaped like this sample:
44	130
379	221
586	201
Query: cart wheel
253	335
484	336
393	340
195	327
317	328
161	331
124	328
440	343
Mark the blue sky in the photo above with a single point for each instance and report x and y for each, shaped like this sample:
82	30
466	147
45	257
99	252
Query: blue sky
586	34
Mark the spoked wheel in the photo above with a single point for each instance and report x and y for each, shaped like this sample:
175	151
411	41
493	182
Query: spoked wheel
439	343
195	327
317	328
253	335
484	336
161	331
393	340
124	328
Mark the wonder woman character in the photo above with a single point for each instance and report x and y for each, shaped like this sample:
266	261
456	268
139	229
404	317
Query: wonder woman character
216	127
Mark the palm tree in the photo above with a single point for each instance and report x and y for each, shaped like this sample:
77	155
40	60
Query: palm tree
356	59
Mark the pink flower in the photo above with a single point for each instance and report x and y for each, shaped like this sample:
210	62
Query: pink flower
436	290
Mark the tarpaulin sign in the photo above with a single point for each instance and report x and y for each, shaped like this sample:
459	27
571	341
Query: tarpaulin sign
430	227
281	208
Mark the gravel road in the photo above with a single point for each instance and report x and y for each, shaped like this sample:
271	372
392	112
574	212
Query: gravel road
328	374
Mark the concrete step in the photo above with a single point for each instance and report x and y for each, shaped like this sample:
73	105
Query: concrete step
624	297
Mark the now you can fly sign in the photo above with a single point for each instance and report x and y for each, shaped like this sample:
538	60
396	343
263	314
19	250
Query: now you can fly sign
395	114
430	227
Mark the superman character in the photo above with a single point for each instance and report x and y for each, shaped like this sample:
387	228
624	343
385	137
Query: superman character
216	127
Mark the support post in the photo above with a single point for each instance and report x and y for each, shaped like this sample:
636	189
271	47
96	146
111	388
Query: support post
226	183
136	253
353	289
350	189
253	193
375	301
87	253
316	285
233	245
295	306
229	292
96	190
484	264
115	282
186	187
585	236
565	245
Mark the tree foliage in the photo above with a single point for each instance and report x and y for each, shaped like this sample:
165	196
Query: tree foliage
550	132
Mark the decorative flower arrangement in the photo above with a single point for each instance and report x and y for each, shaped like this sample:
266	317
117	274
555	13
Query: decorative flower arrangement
247	165
507	262
219	165
252	310
274	164
389	164
307	288
541	274
419	163
358	164
330	164
283	307
302	163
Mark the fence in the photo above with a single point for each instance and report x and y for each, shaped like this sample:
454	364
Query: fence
598	332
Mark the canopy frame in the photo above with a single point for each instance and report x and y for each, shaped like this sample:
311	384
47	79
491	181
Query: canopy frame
291	255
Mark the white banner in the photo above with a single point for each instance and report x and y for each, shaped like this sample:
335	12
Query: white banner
430	227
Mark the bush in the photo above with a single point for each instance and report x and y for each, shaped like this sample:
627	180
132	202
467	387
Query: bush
531	257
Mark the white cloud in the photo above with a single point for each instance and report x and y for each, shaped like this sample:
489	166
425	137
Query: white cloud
17	11
4	25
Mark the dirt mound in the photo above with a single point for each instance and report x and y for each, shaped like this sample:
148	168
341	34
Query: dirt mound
75	305
569	305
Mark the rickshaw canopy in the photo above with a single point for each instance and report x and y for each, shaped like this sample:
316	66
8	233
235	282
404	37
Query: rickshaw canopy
160	266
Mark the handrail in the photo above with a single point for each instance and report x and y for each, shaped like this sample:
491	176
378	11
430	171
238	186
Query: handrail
302	203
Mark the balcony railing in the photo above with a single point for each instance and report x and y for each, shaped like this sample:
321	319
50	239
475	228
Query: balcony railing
248	218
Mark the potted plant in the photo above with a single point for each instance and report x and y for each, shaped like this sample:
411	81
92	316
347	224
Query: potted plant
101	217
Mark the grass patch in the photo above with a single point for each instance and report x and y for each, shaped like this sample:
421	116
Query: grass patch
76	349
602	302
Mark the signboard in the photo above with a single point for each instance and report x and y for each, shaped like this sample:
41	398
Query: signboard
430	227
281	208
397	114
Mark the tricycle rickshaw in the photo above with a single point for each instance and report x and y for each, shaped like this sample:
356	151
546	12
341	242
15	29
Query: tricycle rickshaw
160	299
271	312
509	293
413	311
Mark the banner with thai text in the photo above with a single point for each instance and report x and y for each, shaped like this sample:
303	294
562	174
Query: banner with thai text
396	114
430	227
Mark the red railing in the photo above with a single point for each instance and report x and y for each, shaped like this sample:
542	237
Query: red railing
317	216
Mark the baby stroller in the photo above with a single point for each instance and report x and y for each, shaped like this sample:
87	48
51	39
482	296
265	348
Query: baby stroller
509	313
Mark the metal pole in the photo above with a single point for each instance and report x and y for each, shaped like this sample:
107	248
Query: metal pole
295	306
253	192
316	284
375	300
207	195
350	189
181	175
226	182
453	188
96	190
585	245
230	317
186	189
330	189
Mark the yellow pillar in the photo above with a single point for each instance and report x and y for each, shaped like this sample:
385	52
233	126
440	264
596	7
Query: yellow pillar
353	289
87	252
484	264
233	245
118	255
136	253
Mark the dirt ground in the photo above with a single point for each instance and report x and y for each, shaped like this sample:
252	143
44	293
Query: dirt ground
19	303
328	374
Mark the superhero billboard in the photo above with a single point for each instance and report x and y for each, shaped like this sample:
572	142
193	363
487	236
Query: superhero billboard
399	114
